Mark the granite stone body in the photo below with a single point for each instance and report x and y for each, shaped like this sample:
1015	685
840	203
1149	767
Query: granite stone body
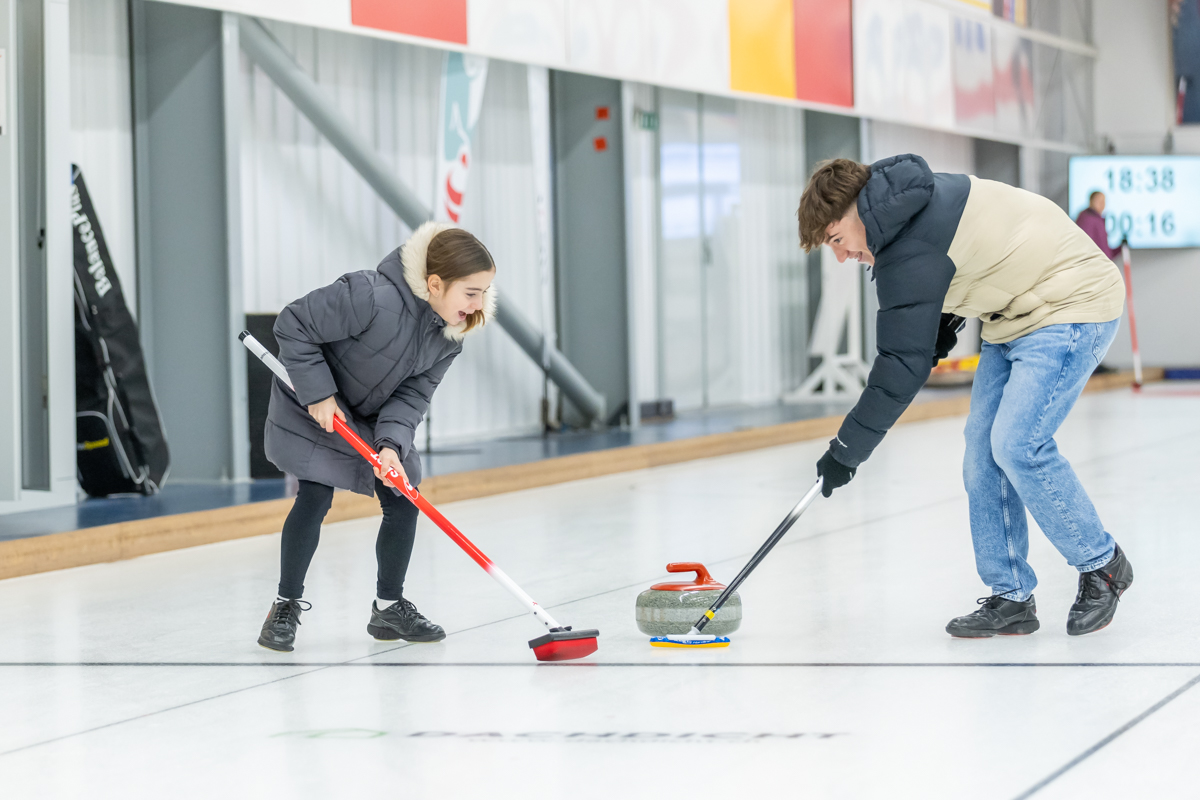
663	613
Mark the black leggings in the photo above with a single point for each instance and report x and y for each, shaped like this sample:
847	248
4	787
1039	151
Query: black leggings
302	531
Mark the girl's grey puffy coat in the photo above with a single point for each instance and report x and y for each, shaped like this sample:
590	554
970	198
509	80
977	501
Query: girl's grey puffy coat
372	340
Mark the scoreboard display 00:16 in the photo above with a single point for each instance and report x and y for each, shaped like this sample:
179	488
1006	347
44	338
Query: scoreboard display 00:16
1153	201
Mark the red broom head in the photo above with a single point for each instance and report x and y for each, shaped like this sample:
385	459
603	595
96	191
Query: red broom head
565	645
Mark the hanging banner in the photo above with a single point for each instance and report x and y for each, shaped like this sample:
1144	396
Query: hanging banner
463	81
431	19
902	62
974	90
1012	57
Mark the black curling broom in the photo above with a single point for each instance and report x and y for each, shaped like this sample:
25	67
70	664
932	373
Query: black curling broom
696	637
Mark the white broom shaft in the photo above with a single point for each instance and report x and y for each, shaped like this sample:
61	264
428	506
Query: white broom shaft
519	593
264	355
1133	338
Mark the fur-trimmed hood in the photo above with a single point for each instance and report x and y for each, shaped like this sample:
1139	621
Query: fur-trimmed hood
412	256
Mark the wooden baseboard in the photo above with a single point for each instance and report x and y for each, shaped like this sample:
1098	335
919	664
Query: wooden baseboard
1123	380
159	534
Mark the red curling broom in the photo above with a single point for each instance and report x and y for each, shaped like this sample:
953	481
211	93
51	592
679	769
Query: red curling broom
559	643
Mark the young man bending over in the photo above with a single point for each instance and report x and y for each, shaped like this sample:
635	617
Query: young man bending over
944	247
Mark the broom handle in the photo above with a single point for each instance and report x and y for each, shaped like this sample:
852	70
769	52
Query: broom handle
408	490
1133	340
787	523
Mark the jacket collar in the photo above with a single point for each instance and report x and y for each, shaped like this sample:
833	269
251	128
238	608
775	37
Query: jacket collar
412	257
899	188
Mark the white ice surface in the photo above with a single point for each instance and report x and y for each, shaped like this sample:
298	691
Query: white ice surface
142	679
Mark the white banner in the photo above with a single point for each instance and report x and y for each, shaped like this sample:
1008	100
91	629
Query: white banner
463	81
902	63
974	74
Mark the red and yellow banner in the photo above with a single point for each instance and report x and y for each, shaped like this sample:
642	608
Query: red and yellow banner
824	52
433	19
799	49
762	52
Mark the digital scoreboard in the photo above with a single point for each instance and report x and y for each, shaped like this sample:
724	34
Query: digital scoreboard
1152	200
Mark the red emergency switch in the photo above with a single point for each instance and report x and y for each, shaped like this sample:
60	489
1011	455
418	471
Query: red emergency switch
600	143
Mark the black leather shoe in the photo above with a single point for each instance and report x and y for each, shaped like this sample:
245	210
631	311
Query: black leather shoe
279	631
401	620
1099	592
996	616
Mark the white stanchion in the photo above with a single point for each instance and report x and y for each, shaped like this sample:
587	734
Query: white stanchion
840	310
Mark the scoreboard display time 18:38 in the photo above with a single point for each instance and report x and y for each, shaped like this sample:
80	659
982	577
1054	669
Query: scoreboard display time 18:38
1152	200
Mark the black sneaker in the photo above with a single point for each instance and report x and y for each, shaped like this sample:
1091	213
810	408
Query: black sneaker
1099	592
279	631
996	616
401	620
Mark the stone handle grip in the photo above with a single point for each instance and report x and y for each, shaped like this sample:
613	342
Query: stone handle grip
702	576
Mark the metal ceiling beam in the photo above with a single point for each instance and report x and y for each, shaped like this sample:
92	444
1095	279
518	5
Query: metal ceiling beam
309	98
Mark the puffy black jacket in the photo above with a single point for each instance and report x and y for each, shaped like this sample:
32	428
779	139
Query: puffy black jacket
911	216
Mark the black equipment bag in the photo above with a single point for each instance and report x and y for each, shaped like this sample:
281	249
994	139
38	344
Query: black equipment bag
120	443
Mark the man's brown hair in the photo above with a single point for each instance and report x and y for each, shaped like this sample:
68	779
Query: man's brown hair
832	189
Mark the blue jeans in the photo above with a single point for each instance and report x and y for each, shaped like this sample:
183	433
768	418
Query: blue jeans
1023	391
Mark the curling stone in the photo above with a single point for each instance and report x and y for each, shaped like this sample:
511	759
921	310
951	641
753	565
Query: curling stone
672	608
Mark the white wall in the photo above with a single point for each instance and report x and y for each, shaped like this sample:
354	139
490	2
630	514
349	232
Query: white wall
307	215
309	218
756	282
639	149
1135	110
768	296
1135	105
494	388
102	125
945	152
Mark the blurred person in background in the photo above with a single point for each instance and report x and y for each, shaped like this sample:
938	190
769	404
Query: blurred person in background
1091	219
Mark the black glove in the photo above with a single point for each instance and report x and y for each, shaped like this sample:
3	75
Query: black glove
947	336
835	473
